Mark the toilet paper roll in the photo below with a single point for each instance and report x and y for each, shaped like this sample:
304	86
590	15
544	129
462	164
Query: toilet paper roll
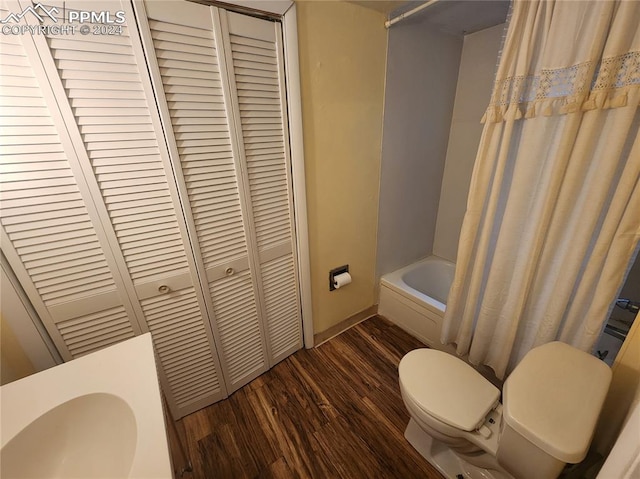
342	279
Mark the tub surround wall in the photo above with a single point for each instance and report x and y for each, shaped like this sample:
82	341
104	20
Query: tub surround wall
475	81
422	70
342	49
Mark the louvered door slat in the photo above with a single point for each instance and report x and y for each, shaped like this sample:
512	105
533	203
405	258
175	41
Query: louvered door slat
114	328
69	74
188	328
256	58
282	306
164	35
250	346
43	248
46	270
73	273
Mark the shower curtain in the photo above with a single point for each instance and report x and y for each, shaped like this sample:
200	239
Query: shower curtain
553	213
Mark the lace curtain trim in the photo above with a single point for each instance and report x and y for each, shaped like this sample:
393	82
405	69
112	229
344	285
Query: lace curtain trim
582	87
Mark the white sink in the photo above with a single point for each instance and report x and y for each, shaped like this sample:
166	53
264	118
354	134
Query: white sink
99	416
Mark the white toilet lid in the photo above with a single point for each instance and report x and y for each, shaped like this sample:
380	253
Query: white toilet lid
447	388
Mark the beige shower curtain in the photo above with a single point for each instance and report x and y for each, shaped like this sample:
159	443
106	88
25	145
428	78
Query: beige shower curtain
553	214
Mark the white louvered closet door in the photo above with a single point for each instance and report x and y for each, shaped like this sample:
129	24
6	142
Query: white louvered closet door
105	96
254	54
227	135
185	64
51	233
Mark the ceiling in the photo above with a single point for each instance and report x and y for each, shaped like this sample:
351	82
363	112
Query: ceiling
463	16
454	16
383	6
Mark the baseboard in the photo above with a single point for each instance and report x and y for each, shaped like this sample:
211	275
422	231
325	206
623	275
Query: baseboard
342	326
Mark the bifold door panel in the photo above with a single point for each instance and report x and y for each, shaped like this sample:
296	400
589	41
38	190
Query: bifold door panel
48	220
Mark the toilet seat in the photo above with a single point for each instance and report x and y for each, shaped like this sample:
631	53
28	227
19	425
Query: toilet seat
447	389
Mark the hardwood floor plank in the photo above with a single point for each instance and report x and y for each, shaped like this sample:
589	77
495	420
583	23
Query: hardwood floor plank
222	413
330	412
220	453
288	375
382	388
398	340
295	422
351	365
412	458
259	445
293	440
278	470
305	366
349	454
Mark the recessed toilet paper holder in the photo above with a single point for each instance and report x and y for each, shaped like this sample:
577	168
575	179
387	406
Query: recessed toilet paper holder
335	272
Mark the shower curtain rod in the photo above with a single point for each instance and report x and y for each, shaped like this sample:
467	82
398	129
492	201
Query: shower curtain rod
404	15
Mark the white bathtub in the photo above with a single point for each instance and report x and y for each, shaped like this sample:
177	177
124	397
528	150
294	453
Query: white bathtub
415	297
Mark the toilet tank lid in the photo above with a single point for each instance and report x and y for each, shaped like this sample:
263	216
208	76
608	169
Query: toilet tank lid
553	398
447	388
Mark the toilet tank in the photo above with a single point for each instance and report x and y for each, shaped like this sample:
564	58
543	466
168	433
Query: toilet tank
551	401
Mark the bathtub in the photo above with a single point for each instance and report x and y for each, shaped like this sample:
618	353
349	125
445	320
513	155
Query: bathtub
415	298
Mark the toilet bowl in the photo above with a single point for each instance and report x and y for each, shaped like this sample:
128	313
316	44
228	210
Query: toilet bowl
551	403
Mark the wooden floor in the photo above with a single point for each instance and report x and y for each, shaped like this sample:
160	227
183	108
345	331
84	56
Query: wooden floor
334	411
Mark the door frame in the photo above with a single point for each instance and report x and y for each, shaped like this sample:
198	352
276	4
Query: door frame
294	105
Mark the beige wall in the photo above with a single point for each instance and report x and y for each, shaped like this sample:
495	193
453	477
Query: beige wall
342	50
475	80
14	363
23	349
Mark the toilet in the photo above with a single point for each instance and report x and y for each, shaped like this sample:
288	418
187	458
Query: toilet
550	405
